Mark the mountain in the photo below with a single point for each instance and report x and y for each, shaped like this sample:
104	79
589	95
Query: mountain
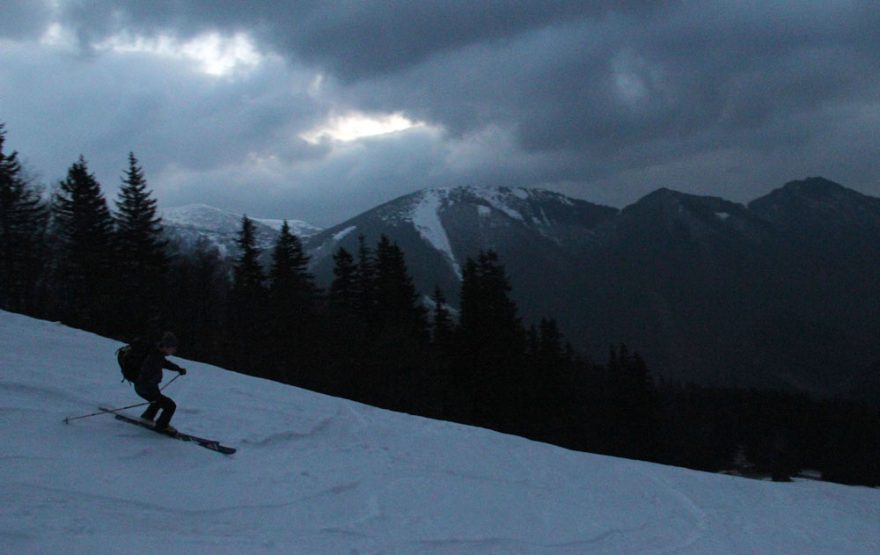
681	278
835	242
317	475
816	206
536	233
190	224
783	292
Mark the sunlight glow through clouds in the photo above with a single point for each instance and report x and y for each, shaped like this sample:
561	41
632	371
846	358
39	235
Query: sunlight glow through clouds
57	36
356	125
215	54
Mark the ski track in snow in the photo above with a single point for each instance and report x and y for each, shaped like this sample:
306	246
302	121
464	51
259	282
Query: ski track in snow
317	475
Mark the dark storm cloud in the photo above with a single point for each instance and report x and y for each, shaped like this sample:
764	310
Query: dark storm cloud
622	92
609	99
354	39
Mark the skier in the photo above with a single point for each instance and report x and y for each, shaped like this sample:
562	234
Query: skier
147	384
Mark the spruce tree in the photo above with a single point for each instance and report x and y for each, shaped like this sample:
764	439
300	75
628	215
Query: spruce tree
247	325
292	298
489	319
196	300
491	343
550	343
396	298
633	405
365	282
343	289
442	326
84	231
23	218
248	277
291	284
141	254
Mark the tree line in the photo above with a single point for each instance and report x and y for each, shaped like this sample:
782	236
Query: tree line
372	337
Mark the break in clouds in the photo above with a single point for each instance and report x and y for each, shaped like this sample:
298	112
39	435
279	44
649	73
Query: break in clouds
319	110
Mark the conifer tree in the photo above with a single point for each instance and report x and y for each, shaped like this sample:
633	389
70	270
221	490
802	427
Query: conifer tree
292	297
248	276
84	229
442	325
247	303
633	405
365	282
23	218
141	255
343	289
396	298
550	343
291	284
489	317
491	343
196	300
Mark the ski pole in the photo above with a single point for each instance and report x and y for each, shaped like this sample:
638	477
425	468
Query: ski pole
108	411
171	381
68	419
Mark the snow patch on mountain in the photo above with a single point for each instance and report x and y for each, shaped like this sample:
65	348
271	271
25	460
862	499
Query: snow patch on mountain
297	227
340	235
194	223
210	219
425	217
498	198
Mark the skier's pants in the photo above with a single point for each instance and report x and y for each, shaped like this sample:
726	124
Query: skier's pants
157	402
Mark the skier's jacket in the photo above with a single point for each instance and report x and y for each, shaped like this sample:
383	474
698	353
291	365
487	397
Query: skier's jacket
151	369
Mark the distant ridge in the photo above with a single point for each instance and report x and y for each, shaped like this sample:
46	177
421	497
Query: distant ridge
783	292
192	223
708	290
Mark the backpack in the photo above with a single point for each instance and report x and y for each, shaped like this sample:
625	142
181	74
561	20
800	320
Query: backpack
131	357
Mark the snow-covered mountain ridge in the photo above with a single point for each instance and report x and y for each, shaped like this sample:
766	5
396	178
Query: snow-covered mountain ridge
220	228
439	229
316	475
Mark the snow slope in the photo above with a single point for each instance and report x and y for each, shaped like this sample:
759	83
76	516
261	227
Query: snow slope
317	475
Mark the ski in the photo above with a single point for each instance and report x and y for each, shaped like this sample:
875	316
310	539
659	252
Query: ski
211	444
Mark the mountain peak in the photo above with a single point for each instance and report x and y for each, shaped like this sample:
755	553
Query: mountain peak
668	213
669	200
821	198
816	187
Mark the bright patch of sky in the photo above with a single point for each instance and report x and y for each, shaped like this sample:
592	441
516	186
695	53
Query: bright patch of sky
630	72
357	125
58	36
213	53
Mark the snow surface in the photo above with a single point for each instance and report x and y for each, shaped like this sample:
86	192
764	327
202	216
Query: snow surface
425	217
297	227
498	199
339	235
209	219
318	475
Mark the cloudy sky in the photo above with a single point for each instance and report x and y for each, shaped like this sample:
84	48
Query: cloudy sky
318	110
